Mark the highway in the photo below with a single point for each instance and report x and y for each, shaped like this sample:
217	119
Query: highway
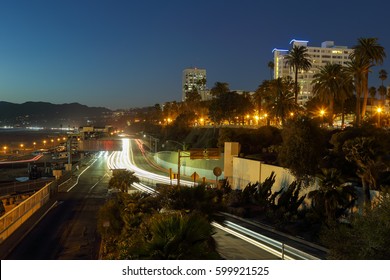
68	229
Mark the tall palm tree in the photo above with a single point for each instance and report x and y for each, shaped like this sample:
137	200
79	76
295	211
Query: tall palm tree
332	84
382	92
281	100
372	92
382	75
271	66
298	59
371	53
382	89
261	94
356	68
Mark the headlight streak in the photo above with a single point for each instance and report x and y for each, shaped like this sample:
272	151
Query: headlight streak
125	160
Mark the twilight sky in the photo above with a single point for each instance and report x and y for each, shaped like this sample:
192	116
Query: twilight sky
125	53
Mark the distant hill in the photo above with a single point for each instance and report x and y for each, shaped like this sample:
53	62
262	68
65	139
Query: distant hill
48	114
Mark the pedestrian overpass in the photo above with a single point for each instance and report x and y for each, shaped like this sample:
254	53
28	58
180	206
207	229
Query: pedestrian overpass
97	145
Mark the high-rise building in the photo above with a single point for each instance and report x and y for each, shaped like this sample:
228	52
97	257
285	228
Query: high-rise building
193	78
319	56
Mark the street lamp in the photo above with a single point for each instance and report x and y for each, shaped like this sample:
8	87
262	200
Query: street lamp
322	113
150	142
379	111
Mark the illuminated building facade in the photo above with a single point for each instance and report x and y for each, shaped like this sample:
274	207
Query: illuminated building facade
193	78
319	56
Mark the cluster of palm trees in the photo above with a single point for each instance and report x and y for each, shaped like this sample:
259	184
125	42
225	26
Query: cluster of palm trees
341	89
332	82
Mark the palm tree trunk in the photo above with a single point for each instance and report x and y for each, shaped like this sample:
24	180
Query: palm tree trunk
331	102
296	86
358	89
342	114
365	91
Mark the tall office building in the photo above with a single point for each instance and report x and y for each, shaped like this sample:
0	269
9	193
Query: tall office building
319	56
193	78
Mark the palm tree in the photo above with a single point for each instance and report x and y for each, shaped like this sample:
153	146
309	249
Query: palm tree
382	75
333	197
356	68
331	84
382	92
271	66
382	89
261	94
298	59
178	237
371	53
372	91
122	180
281	100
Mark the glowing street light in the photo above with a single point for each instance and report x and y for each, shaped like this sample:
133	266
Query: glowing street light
322	114
379	111
5	149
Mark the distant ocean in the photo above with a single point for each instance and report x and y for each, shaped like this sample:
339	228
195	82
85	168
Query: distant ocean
14	137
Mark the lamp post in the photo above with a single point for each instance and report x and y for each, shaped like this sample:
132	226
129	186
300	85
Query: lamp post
183	145
150	142
379	111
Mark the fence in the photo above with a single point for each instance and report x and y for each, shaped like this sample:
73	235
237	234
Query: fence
22	187
17	216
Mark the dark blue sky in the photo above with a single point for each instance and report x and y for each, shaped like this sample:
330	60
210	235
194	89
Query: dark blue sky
123	54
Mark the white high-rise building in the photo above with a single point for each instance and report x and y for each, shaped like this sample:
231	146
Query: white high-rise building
193	78
319	56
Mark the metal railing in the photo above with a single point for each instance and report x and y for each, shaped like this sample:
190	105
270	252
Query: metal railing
277	248
18	215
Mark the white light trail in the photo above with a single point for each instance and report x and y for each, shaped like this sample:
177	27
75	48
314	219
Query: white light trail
125	160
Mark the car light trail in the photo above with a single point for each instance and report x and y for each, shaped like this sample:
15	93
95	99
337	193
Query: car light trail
125	160
22	161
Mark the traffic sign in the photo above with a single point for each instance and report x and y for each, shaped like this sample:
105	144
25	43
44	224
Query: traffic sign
195	176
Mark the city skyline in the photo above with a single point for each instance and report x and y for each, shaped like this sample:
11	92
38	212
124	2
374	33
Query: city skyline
126	54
